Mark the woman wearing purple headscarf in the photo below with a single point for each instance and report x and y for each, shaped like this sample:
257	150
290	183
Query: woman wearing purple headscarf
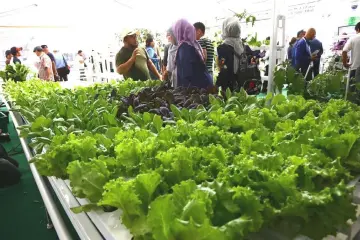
189	60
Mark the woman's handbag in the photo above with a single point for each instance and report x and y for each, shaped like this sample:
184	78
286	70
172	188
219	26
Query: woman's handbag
67	68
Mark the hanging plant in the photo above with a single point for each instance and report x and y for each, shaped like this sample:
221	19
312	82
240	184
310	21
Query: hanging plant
253	41
248	18
245	16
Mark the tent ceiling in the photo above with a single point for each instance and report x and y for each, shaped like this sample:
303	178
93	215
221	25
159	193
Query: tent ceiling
116	14
108	13
84	22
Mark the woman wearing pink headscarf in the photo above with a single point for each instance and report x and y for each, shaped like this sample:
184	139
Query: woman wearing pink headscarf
190	65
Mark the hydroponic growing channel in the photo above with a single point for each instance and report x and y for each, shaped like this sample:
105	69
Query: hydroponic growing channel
228	167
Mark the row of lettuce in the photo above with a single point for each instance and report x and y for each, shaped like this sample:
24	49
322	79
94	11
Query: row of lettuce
237	168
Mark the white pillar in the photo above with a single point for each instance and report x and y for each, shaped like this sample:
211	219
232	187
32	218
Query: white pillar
277	8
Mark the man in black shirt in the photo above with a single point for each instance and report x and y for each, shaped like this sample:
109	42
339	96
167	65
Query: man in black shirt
52	58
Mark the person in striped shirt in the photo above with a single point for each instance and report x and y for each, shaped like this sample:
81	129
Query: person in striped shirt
207	46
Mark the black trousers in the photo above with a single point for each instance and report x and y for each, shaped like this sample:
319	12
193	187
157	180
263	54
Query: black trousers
357	75
62	74
266	70
303	71
352	73
316	68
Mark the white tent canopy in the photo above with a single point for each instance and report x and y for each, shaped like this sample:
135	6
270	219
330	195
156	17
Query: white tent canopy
109	14
94	19
75	24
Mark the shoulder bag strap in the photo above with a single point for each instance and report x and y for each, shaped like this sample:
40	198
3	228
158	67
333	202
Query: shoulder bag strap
64	60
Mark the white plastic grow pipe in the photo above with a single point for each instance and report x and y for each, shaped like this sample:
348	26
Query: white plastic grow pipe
347	84
278	22
50	205
273	47
282	25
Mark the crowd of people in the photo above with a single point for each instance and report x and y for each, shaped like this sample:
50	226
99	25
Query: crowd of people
12	56
305	52
51	66
188	58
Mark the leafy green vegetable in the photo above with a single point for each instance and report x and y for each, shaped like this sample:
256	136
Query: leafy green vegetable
234	167
17	73
88	179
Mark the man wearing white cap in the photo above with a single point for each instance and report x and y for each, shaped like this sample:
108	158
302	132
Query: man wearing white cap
132	61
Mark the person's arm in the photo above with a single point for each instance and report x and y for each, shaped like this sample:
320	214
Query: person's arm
321	49
153	69
49	72
163	68
52	58
54	68
300	54
345	59
47	65
347	48
202	43
123	68
220	60
205	54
